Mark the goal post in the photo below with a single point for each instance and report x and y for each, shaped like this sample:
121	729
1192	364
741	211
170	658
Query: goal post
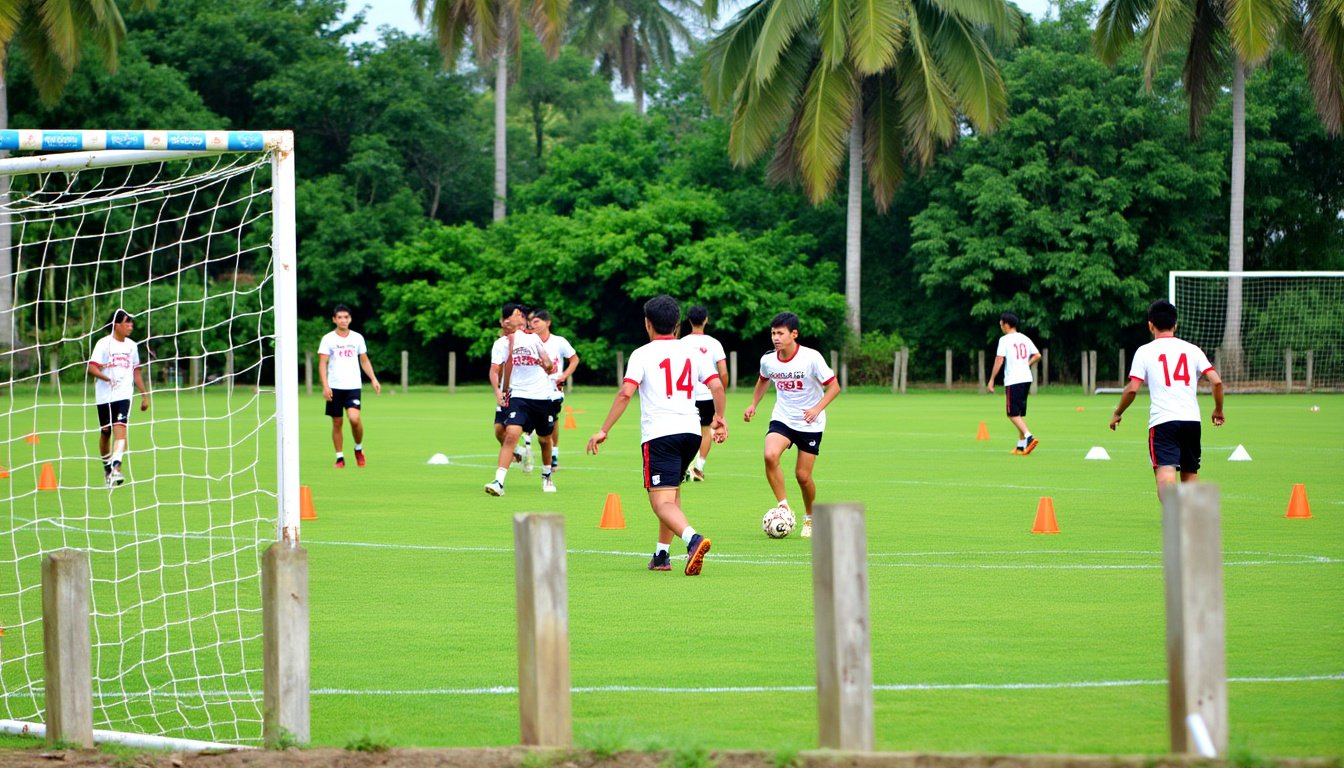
1266	331
193	234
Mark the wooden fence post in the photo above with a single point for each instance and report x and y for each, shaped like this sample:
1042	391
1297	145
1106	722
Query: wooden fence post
67	654
543	630
840	602
285	669
1311	360
54	360
1122	370
620	367
193	371
1288	370
452	372
405	370
1192	562
732	371
896	372
905	367
835	364
948	369
1084	369
1092	372
980	369
228	370
308	371
1045	367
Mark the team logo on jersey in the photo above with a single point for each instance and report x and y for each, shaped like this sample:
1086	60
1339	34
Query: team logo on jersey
656	479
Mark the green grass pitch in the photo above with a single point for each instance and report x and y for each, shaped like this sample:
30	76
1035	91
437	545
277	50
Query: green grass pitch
985	637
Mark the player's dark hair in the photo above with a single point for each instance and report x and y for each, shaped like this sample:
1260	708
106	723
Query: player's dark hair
1162	314
120	316
1009	319
542	315
506	311
697	315
785	320
339	308
663	313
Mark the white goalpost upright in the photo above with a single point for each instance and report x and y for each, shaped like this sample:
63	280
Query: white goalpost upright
193	234
1266	331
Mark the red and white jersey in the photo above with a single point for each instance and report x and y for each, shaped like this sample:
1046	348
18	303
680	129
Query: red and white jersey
799	383
343	358
1016	350
118	360
528	379
666	372
1171	367
499	351
559	349
708	347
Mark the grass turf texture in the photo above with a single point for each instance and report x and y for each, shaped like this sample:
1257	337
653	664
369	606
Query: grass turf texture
979	627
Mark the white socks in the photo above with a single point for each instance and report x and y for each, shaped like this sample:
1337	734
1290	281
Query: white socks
688	534
500	474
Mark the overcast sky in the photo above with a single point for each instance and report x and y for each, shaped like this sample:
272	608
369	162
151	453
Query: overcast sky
398	14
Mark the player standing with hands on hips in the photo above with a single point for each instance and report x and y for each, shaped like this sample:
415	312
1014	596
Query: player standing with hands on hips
115	362
339	357
1172	368
1019	354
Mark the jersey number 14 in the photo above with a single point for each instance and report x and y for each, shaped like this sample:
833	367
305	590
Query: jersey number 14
1181	374
684	383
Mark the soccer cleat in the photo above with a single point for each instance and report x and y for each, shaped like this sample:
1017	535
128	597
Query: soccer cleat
661	561
695	554
340	463
494	488
359	458
517	456
555	466
696	475
547	484
1031	446
115	478
1017	451
806	533
527	460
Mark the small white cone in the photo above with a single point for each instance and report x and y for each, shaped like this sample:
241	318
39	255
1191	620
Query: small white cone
1240	454
437	458
1098	454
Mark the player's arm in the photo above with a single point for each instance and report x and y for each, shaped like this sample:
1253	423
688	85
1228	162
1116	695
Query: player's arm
618	407
1217	382
994	374
832	392
96	371
496	383
718	428
547	364
368	371
140	385
572	363
762	384
322	358
1126	399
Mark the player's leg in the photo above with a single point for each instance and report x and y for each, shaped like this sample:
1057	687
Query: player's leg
665	462
1017	414
706	410
356	432
802	472
776	443
1164	450
557	406
1191	449
335	408
513	432
543	419
105	438
118	444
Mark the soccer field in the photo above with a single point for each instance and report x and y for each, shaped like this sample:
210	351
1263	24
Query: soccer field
985	637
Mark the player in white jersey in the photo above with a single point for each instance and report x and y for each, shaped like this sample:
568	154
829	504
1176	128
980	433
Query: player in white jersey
511	318
804	385
115	364
1172	369
1016	355
709	347
566	360
665	373
340	356
525	396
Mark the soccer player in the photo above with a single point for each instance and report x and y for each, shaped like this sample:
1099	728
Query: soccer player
510	319
527	405
708	347
115	363
559	349
804	385
665	373
340	356
1172	368
1016	355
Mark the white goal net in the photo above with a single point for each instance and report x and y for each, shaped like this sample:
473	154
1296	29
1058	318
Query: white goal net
1266	331
192	245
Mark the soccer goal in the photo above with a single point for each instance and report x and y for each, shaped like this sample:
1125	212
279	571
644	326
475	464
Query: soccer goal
192	234
1267	331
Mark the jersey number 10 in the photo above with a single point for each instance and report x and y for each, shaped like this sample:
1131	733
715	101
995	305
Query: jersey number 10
1181	374
684	383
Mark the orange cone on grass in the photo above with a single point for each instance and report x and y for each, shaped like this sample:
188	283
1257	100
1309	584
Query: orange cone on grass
983	432
31	439
1297	503
306	510
3	473
1045	517
612	517
569	418
47	480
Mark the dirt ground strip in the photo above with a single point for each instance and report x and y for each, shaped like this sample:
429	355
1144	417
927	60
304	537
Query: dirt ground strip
521	758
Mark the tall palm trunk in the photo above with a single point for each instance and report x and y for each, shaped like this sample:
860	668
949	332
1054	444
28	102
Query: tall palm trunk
501	113
6	230
854	222
1231	363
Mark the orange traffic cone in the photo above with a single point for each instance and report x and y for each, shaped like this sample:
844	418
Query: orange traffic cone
31	439
982	433
3	473
47	481
306	511
1045	517
1297	503
611	513
569	418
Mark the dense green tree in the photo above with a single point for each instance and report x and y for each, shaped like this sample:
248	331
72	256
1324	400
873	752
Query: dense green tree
630	37
557	96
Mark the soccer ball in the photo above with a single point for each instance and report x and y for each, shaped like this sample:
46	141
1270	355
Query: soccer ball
778	522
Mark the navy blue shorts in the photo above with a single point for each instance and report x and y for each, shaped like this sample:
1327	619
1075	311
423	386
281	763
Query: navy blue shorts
500	414
706	409
667	458
532	415
1175	444
1016	397
117	412
341	399
807	442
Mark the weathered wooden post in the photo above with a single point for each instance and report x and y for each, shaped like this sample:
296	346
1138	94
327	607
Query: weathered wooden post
896	372
844	656
1122	371
905	368
228	370
452	372
308	371
948	369
1311	360
67	653
732	371
620	367
980	369
54	360
405	371
1045	367
1288	370
284	626
543	630
1092	372
193	371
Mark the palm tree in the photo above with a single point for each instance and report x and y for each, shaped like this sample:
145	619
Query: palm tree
493	26
877	83
630	36
1219	35
51	33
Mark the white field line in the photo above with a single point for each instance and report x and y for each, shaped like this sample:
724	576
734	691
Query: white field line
505	690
